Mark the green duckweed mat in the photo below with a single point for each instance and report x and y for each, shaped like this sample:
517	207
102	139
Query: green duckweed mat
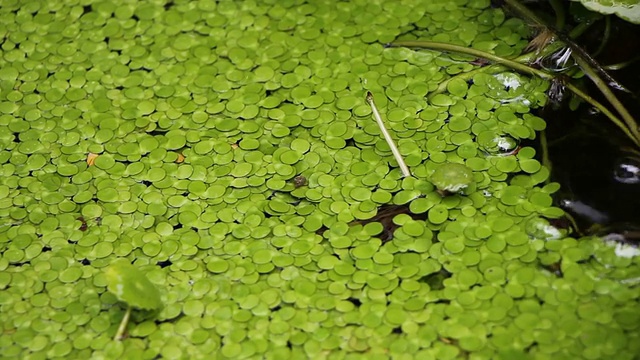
226	149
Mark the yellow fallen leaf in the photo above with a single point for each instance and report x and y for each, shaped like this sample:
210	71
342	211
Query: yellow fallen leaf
91	158
180	158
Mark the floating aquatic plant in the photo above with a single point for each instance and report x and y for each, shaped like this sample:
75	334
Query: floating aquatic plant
628	10
238	165
387	136
131	286
452	178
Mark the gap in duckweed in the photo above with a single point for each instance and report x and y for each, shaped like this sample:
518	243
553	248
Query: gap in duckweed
227	151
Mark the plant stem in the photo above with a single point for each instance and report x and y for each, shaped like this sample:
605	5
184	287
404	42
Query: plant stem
605	111
479	53
578	52
622	65
524	59
608	94
573	223
605	36
631	133
546	161
589	66
123	324
523	11
387	137
558	8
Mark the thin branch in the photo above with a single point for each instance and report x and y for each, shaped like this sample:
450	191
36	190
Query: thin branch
479	53
546	161
558	8
629	132
123	324
588	65
529	57
622	65
578	51
573	223
387	136
605	37
609	95
525	69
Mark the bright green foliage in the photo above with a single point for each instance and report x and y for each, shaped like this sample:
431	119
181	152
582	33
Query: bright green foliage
204	113
451	177
626	9
129	285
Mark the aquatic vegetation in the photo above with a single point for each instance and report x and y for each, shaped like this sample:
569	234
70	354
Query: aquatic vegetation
628	10
228	151
130	286
452	178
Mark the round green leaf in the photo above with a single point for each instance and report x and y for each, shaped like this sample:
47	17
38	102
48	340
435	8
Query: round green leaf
131	286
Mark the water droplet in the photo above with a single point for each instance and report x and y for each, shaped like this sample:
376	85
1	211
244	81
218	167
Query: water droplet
627	171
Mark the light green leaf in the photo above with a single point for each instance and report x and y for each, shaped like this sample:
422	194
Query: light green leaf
626	9
131	286
452	177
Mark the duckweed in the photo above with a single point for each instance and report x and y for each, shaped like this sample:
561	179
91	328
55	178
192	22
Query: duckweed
174	136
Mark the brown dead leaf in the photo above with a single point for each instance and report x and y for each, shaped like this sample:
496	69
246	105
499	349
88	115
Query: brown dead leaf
91	158
541	40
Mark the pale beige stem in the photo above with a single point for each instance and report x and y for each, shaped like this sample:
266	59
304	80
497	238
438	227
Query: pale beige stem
123	324
387	137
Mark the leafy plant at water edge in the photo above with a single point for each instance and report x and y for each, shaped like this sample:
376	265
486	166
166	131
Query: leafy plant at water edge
627	124
626	9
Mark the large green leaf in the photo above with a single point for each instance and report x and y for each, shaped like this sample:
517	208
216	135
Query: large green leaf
128	284
626	9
